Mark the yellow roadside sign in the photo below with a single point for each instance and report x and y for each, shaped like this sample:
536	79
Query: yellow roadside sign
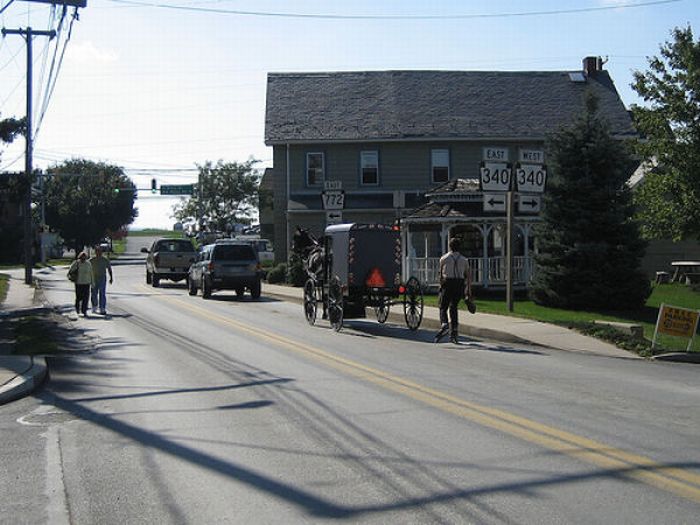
677	321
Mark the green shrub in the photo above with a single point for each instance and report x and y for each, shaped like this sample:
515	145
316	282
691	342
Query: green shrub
296	275
278	274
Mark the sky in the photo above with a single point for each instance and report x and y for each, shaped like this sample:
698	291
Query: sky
161	87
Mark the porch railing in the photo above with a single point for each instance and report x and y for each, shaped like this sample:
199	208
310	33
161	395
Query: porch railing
426	270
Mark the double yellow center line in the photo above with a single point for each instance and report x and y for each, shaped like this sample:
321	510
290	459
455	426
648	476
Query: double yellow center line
678	481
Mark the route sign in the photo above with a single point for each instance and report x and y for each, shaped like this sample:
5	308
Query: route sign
495	176
530	178
333	199
176	189
334	217
494	202
529	203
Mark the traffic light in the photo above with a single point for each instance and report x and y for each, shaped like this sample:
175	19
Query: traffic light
116	191
153	185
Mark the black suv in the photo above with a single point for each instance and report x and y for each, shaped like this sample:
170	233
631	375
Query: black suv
225	265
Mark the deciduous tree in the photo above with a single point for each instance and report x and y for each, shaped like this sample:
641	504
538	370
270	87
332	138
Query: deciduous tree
85	200
669	197
589	246
227	194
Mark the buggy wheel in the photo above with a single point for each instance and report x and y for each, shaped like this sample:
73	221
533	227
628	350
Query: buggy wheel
335	304
413	304
382	309
310	305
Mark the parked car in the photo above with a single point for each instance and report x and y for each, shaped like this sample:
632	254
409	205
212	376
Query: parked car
168	259
263	246
226	265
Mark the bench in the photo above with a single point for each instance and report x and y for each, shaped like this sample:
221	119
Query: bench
692	278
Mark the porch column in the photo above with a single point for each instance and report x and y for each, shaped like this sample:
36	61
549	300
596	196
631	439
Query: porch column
485	231
444	237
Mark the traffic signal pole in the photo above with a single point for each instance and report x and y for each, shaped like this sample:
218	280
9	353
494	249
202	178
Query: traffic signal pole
28	34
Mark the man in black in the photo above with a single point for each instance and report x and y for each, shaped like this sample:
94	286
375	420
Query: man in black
455	284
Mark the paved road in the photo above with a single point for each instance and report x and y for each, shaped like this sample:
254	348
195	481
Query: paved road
177	409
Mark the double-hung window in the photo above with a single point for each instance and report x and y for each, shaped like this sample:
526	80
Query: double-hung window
315	169
440	165
369	168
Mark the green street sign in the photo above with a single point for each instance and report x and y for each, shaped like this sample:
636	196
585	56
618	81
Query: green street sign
176	189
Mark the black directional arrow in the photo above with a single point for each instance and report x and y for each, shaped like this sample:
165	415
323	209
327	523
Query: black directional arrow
493	201
531	203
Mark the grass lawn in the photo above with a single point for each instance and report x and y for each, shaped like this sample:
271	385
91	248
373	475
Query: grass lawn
675	294
156	233
4	285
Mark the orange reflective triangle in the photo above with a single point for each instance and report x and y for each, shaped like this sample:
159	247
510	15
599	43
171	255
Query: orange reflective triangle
375	279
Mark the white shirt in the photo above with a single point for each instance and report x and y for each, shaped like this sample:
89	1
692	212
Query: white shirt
454	265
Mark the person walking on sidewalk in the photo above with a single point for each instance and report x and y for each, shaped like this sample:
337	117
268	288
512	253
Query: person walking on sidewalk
82	270
455	284
100	266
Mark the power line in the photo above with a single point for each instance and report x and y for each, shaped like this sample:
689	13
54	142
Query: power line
395	17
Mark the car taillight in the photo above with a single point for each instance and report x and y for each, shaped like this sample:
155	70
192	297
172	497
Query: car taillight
210	266
156	260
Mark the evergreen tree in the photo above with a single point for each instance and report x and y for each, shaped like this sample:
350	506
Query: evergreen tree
590	247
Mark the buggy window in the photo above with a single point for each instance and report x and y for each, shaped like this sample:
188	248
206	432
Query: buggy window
174	246
234	252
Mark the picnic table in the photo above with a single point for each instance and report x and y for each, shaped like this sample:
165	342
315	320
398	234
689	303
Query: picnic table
686	270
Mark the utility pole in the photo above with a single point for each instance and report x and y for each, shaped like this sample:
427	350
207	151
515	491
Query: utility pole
28	35
509	250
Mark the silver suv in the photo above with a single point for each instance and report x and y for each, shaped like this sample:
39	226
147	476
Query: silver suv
225	265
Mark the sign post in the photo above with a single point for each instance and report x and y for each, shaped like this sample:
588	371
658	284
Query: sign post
176	189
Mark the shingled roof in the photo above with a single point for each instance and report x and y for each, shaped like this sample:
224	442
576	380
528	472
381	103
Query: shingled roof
395	105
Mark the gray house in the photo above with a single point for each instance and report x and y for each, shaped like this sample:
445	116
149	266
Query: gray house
372	146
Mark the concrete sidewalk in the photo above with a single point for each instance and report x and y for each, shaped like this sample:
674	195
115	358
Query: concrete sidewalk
21	374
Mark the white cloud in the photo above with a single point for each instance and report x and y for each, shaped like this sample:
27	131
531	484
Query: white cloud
87	52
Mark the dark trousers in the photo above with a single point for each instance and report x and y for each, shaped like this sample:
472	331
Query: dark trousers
451	292
82	294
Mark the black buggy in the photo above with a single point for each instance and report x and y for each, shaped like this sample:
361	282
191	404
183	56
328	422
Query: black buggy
359	266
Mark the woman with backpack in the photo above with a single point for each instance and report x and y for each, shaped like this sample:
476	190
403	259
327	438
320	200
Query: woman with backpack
80	272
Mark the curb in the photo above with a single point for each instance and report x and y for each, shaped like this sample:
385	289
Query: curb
679	357
25	383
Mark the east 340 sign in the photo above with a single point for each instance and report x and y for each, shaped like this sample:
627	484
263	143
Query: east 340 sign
498	176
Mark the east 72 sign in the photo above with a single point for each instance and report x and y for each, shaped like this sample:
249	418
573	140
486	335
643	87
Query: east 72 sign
333	199
530	178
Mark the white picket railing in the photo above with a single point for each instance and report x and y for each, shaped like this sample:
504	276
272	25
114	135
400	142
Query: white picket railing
426	270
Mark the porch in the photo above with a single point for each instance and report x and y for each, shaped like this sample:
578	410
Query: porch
485	271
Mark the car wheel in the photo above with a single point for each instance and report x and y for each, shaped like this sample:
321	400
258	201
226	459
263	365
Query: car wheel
206	289
155	280
148	277
191	287
255	290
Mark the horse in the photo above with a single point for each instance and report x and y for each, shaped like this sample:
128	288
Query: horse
313	255
312	252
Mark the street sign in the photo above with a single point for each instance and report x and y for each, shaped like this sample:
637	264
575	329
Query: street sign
530	178
176	189
529	203
495	154
494	202
334	217
333	199
531	156
495	176
332	185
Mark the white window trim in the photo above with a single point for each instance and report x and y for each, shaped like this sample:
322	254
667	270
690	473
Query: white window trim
323	168
362	156
433	165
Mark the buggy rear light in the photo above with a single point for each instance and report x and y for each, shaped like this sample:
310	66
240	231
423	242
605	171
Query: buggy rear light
375	279
402	289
